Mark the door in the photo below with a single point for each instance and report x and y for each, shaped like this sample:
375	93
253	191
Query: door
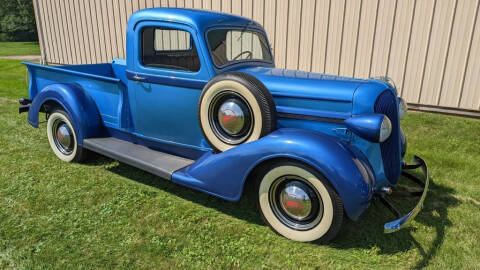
168	78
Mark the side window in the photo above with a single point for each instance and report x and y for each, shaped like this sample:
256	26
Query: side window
169	48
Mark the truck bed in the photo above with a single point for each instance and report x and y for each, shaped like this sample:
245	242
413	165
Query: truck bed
114	70
105	83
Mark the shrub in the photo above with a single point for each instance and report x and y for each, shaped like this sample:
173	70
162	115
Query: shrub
17	21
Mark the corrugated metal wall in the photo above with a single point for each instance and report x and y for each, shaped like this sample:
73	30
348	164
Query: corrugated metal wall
430	48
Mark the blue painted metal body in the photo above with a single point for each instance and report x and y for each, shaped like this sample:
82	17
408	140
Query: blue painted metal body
161	111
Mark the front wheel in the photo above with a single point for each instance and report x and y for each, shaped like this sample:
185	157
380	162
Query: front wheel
298	202
62	137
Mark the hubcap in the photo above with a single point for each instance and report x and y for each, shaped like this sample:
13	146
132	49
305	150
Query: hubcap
63	137
230	118
295	202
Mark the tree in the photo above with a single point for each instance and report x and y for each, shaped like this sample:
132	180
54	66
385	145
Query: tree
17	21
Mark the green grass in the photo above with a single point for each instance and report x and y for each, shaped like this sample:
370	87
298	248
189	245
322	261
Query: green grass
19	48
104	214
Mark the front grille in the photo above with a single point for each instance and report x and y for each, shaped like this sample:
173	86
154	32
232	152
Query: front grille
386	104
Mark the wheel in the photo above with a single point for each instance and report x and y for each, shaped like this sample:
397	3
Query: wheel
235	108
62	137
298	202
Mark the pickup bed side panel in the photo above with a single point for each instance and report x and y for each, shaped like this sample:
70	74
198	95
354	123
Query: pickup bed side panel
97	81
79	106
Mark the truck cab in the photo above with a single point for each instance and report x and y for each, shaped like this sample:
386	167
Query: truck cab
169	58
198	101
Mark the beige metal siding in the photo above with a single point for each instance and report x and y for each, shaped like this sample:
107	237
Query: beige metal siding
457	54
470	91
437	51
321	24
349	37
418	49
431	48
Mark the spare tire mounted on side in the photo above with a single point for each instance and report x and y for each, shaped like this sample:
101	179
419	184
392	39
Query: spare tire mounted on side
235	108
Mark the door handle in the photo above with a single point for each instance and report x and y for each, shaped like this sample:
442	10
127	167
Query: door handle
138	78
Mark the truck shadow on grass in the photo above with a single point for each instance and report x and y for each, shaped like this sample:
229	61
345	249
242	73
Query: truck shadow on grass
245	209
366	233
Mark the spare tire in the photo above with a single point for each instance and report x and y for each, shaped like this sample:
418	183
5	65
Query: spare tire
235	108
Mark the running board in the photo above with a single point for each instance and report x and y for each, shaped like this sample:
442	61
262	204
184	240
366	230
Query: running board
155	162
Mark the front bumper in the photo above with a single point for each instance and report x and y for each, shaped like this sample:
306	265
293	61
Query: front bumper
403	221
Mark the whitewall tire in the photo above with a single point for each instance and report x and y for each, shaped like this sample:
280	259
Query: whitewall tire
298	202
63	138
235	108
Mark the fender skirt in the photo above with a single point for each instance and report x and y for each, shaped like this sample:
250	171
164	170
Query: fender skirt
224	174
78	104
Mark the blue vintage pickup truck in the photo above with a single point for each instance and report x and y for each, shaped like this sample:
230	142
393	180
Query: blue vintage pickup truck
198	101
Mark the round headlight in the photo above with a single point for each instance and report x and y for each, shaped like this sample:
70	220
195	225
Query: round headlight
385	129
402	108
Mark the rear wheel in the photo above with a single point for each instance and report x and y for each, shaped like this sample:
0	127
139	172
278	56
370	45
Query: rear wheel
62	137
298	202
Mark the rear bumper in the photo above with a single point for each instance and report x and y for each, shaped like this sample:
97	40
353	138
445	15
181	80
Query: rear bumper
404	221
23	108
24	105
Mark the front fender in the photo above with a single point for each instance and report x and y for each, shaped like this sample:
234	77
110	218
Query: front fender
224	174
78	104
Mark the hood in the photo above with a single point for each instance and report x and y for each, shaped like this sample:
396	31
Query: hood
316	94
293	83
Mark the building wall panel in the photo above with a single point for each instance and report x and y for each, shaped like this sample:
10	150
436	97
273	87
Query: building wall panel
437	52
350	37
457	54
418	48
470	96
320	34
383	37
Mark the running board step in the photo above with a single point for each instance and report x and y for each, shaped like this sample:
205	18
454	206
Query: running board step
158	163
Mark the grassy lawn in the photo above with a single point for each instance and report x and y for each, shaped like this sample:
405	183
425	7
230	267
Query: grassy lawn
19	48
104	214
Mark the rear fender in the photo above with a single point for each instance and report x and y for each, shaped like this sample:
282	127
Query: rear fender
224	174
78	104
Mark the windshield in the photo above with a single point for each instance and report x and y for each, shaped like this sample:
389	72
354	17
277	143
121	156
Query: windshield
230	45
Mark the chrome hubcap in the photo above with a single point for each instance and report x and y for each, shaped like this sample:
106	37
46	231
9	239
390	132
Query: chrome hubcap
231	116
63	137
295	202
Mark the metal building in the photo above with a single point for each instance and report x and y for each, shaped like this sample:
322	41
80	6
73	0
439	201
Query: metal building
431	48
